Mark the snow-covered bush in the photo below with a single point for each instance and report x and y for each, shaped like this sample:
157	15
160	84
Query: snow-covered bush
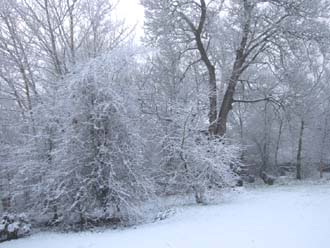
97	175
190	161
85	164
13	227
200	164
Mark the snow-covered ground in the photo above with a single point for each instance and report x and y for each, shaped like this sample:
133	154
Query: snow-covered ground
274	217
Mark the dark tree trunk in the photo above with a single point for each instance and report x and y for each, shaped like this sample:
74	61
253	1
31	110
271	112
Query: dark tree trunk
238	69
198	31
299	173
228	100
226	107
278	142
212	100
321	169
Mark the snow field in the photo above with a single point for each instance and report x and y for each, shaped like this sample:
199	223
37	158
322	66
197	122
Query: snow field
272	217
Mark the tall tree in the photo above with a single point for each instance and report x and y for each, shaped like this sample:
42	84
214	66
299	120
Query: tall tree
258	27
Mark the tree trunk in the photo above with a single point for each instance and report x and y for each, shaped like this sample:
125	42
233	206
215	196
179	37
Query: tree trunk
278	142
299	174
198	33
72	36
52	37
199	195
321	169
238	69
212	86
323	143
241	125
227	102
212	100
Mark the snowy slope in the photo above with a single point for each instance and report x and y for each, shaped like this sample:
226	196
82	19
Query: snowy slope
275	217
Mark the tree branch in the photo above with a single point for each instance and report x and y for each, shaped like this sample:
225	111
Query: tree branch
253	101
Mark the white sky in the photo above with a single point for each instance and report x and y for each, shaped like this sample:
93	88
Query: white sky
132	11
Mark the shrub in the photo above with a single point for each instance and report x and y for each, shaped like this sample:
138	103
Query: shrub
13	227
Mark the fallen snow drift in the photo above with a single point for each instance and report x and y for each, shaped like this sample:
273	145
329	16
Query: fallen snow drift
286	217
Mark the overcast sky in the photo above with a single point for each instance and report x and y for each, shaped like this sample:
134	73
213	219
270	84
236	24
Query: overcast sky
132	11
